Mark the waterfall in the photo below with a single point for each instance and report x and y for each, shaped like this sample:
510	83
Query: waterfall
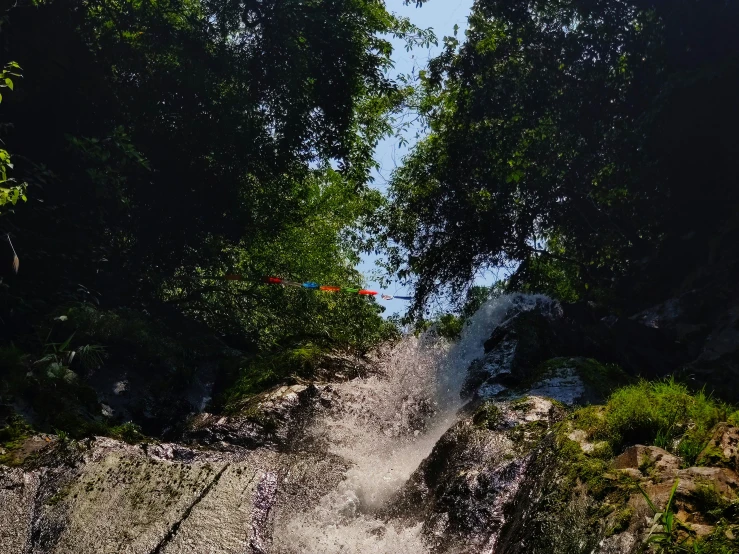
384	426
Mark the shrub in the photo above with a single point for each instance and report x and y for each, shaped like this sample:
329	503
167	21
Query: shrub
662	413
265	371
129	432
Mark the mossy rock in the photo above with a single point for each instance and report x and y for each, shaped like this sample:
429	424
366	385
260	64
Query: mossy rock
487	416
621	521
722	449
13	436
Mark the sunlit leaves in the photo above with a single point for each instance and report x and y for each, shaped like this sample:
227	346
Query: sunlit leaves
9	194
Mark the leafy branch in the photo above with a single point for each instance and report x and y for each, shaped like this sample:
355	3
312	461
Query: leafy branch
9	194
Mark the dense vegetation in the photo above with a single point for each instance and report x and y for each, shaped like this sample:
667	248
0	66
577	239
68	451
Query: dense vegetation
151	145
589	145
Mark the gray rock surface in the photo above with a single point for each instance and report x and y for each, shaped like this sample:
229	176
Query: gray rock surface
112	497
462	491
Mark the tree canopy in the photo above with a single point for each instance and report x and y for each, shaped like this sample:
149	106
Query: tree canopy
588	143
166	140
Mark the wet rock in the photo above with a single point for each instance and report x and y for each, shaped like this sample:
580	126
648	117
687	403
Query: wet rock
265	498
539	519
537	330
703	324
31	448
723	448
563	384
108	497
600	512
513	351
18	490
462	490
572	381
720	479
338	366
272	418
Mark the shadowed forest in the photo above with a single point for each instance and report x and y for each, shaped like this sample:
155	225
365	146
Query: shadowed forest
589	145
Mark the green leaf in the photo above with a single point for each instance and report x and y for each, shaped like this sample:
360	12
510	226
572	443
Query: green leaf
9	82
65	344
649	500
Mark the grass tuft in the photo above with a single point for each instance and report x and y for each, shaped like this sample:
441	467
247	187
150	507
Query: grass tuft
661	413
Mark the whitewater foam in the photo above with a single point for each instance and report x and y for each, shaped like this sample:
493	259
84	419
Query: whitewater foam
384	426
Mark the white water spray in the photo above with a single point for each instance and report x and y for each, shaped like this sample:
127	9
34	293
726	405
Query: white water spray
385	426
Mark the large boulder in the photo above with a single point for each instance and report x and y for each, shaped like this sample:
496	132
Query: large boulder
703	324
273	418
512	353
105	497
461	492
575	498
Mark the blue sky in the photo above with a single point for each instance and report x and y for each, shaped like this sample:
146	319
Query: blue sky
441	15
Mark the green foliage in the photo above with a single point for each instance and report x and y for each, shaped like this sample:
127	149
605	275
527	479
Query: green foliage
566	141
450	325
317	249
196	138
9	194
711	503
669	535
12	436
47	381
15	431
129	334
663	534
644	413
129	432
212	153
690	447
487	416
622	521
171	141
270	369
658	413
723	540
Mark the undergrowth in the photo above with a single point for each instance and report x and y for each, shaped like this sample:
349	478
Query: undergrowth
265	371
662	413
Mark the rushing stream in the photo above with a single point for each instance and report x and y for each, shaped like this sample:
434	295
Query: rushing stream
385	426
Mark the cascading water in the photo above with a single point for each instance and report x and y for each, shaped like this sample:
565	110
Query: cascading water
384	426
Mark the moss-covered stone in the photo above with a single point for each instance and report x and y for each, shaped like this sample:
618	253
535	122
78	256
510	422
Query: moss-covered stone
13	436
722	449
621	521
487	416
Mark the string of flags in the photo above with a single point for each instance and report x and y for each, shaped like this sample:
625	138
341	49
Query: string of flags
269	280
310	285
